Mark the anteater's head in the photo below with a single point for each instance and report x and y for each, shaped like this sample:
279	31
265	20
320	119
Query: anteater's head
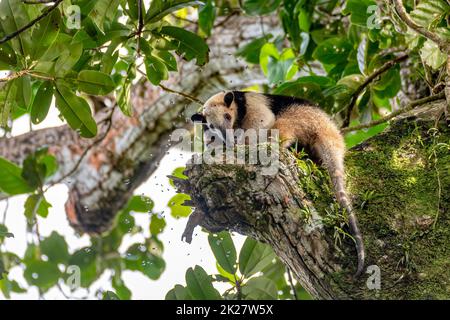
219	113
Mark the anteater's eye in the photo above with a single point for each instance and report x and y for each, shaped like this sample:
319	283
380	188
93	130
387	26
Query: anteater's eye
227	116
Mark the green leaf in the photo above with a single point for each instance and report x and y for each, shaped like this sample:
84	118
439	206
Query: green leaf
133	9
139	258
206	17
260	288
36	204
254	257
38	166
301	89
123	95
429	13
177	209
76	111
251	51
2	269
24	92
157	225
155	69
333	51
167	58
199	285
95	82
160	8
260	7
8	57
68	58
432	55
55	248
178	293
304	20
109	295
45	34
11	180
223	249
85	259
103	10
354	138
7	100
359	11
225	275
42	274
179	173
4	232
7	286
389	83
13	17
140	204
189	45
278	67
41	102
122	290
33	170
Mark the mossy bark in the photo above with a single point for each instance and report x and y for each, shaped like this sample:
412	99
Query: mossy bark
399	182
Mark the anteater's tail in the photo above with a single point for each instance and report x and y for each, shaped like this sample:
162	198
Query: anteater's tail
333	160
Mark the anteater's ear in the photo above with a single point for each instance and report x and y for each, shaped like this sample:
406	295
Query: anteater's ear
228	99
198	117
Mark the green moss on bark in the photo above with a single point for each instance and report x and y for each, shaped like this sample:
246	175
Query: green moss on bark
399	182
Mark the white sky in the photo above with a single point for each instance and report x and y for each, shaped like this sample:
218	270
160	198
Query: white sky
179	256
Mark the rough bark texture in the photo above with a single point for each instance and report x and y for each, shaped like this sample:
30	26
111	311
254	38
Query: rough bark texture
132	149
400	186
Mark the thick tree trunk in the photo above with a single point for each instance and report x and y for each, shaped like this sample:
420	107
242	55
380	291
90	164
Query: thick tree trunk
400	186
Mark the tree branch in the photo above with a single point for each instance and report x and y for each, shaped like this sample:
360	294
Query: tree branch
394	114
183	94
31	23
388	65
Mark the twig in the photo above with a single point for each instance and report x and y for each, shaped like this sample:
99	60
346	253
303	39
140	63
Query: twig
183	19
37	1
13	76
31	23
238	288
85	152
140	27
225	20
185	95
5	211
366	82
443	45
62	291
291	282
407	108
447	90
